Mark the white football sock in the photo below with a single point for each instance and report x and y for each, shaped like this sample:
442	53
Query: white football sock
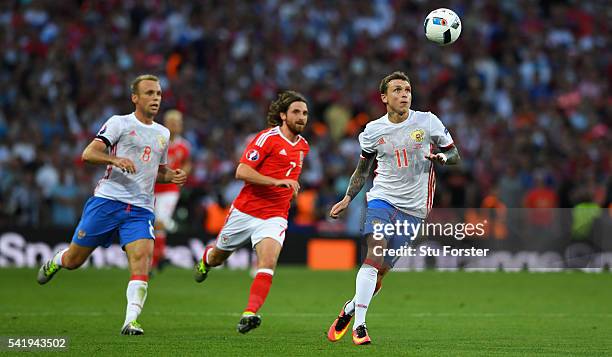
136	295
349	308
365	284
58	257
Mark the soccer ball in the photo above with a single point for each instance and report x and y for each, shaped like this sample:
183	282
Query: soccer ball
442	26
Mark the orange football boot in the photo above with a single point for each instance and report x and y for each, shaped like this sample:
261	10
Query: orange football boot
360	335
340	325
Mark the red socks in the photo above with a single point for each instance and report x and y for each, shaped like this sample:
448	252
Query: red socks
259	289
159	248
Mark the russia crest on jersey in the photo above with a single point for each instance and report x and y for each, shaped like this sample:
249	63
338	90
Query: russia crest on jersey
252	155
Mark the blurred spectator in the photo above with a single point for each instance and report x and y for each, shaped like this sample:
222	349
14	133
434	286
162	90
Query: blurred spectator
541	199
525	88
65	195
24	201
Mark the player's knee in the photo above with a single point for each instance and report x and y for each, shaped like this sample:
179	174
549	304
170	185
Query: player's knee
140	256
375	259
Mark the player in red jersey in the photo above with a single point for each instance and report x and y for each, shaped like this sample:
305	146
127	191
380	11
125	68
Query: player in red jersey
167	194
270	167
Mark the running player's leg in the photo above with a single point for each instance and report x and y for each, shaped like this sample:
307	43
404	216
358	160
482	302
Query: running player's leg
267	240
382	263
140	253
137	239
235	232
165	204
349	307
267	251
213	256
96	227
159	249
378	214
340	325
365	284
72	257
69	258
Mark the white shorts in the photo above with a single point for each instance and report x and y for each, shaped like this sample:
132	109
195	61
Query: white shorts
240	227
165	203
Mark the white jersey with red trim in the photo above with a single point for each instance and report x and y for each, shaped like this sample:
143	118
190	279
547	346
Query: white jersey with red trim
404	177
146	145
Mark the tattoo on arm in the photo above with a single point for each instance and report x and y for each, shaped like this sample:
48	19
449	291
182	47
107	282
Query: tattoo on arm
360	175
452	156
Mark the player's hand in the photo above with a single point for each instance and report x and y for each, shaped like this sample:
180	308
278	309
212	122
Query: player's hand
126	165
439	158
289	184
179	178
339	207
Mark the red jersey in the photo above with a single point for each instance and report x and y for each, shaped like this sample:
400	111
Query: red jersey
273	155
178	153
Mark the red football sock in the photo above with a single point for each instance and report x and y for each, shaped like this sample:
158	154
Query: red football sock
259	289
159	249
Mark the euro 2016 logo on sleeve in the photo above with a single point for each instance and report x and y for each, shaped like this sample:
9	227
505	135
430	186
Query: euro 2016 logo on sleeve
81	234
252	155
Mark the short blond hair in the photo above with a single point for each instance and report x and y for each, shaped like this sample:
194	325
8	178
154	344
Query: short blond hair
142	77
173	113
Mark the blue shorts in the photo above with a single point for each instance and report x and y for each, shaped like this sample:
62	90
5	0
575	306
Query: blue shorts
105	219
380	214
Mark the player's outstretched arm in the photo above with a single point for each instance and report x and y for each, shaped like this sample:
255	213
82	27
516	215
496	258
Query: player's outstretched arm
250	175
95	153
448	157
358	179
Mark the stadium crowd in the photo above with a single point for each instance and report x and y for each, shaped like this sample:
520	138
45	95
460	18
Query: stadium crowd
525	91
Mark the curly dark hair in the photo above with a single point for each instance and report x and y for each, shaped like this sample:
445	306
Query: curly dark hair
384	84
281	105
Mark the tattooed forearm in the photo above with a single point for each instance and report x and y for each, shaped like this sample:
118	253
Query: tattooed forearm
360	176
452	156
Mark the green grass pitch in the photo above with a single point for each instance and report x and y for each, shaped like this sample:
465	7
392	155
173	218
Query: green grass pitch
416	313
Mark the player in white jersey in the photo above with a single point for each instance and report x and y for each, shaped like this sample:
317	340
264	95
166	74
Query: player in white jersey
401	144
134	148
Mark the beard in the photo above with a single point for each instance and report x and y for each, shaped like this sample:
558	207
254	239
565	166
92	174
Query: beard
295	127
